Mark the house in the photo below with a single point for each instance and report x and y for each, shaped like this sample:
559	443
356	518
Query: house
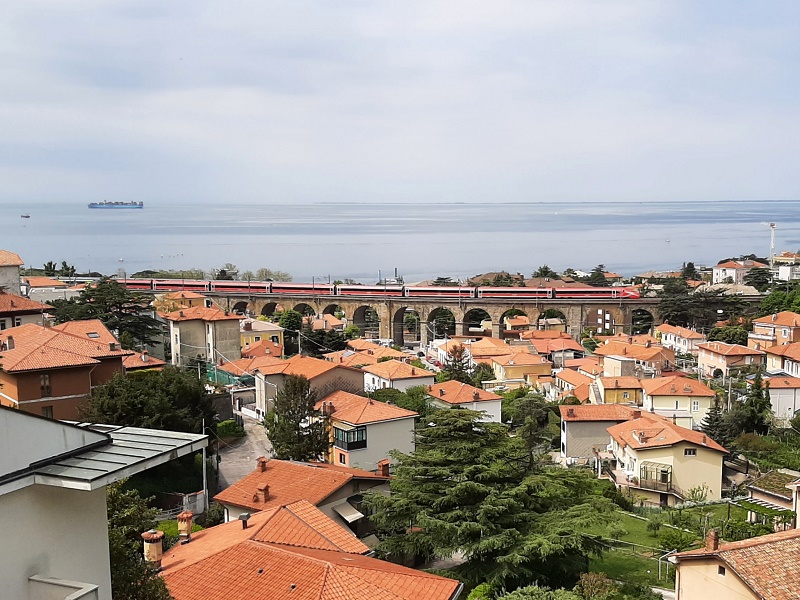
734	271
19	310
291	551
618	390
584	428
323	322
262	348
203	334
716	359
649	360
53	478
335	490
142	361
784	359
775	330
253	331
685	400
680	339
517	323
570	383
46	289
772	492
519	370
663	461
50	371
10	263
760	568
454	394
559	350
167	303
351	358
784	396
395	374
612	277
364	431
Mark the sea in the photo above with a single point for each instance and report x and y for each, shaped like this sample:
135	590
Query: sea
421	241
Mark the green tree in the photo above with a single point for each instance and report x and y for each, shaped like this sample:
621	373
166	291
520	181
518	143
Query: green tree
413	398
170	399
731	334
675	539
352	331
121	310
529	417
700	310
467	488
50	269
270	275
598	278
533	592
596	586
297	431
444	281
481	373
714	426
690	272
128	517
755	414
760	278
292	322
456	365
545	271
781	299
66	270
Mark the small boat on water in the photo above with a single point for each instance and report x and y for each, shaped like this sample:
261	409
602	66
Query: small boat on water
24	216
107	204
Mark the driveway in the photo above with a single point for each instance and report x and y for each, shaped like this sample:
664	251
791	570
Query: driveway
239	459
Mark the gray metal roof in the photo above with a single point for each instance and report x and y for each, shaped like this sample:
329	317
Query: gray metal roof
130	450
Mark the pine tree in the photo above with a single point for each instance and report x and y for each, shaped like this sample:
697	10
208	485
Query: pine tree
457	365
757	407
296	430
714	426
598	278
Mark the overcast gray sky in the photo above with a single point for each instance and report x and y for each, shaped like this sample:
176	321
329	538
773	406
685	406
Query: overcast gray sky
418	101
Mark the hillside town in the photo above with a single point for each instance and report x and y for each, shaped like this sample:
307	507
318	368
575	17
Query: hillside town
583	435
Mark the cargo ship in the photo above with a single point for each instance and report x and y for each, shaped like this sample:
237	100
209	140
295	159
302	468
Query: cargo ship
107	204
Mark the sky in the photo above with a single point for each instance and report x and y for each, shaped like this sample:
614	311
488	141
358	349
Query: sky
258	101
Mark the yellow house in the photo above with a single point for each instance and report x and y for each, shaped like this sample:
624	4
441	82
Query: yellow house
619	390
253	331
662	461
523	368
764	567
774	330
684	400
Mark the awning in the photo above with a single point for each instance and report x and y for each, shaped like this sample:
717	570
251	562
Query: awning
347	512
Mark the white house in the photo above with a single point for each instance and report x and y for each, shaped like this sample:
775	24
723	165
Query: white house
733	271
53	477
680	339
454	394
784	396
395	374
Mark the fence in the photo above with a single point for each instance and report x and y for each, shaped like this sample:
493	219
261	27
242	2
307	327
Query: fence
194	502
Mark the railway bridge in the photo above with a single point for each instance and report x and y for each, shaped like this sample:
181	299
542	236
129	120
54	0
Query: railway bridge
416	319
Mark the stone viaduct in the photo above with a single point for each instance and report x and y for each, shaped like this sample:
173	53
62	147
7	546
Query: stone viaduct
612	315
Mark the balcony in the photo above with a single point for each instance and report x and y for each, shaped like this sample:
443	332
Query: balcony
764	337
354	445
655	477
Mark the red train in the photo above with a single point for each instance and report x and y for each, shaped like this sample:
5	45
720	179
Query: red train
392	291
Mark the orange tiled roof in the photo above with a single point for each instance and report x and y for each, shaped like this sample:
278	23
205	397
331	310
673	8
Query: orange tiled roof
11	303
358	410
289	482
184	295
676	386
136	361
247	366
635	351
10	259
362	344
729	349
394	369
521	359
323	322
351	358
783	383
576	363
684	332
201	313
517	321
456	392
767	564
581	392
544	334
784	318
621	383
44	282
305	366
650	431
791	351
737	264
573	377
597	412
262	348
640	339
556	345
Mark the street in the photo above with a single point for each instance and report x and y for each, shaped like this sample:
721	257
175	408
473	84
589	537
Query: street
239	459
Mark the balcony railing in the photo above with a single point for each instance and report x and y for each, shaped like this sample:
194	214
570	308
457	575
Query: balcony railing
357	445
768	337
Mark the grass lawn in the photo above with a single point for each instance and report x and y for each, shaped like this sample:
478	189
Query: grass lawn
623	566
636	531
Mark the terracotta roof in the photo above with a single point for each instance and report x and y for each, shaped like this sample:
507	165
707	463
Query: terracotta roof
289	482
351	358
769	564
651	431
183	296
305	366
247	325
783	383
362	344
135	361
575	363
544	334
556	345
791	351
323	322
382	352
640	339
597	412
517	320
521	359
456	392
676	386
247	366
784	318
11	303
44	282
201	313
394	369
10	259
635	351
262	348
37	347
573	377
358	410
739	264
581	392
729	349
252	569
774	483
620	383
684	332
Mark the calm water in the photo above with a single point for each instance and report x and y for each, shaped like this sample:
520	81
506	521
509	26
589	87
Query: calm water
422	241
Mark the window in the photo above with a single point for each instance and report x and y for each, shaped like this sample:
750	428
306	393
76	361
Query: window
2	324
17	321
721	571
785	332
274	339
47	411
625	395
93	335
352	439
257	338
342	458
690	452
44	385
695	405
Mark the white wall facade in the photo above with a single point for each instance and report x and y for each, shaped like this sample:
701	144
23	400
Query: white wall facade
492	409
374	382
785	403
381	439
9	279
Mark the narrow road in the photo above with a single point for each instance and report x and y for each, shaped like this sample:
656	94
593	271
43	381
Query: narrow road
239	459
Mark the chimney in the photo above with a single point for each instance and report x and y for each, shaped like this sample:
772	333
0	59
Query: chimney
261	463
112	346
674	419
441	392
144	357
185	526
647	344
637	414
570	412
383	467
712	540
244	517
413	371
704	439
476	395
263	492
153	548
774	316
248	326
180	313
10	342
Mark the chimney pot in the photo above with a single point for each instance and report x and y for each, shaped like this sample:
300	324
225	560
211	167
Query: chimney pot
263	492
10	342
637	414
712	540
383	467
261	463
413	371
244	517
441	392
570	412
185	526
153	547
